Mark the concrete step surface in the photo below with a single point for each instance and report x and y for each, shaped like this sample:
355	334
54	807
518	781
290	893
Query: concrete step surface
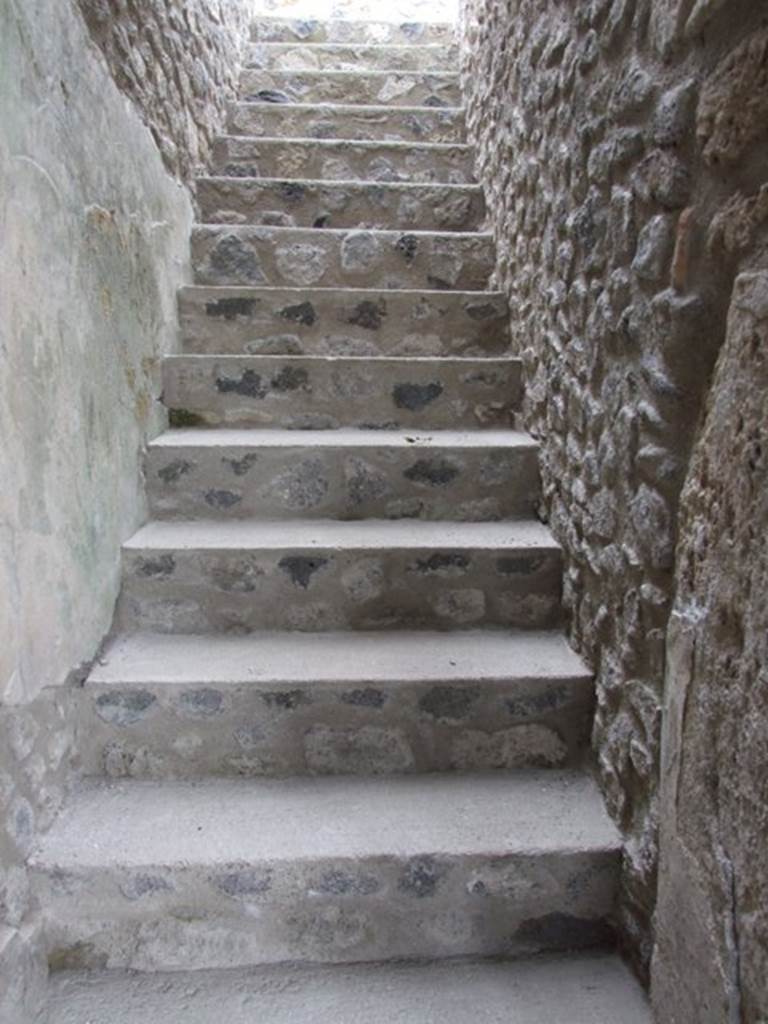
342	321
343	159
201	576
342	474
358	86
167	706
178	875
298	56
404	124
325	392
341	30
286	257
581	988
339	204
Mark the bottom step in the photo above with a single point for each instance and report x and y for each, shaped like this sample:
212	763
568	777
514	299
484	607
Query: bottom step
578	989
231	873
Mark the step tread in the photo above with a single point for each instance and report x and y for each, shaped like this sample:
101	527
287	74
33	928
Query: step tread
337	657
350	108
406	147
225	821
362	72
196	437
191	291
372	534
581	988
350	183
282	232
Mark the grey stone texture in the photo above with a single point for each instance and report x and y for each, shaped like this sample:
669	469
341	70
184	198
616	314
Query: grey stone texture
395	205
351	57
322	392
390	124
587	988
362	258
343	581
333	703
711	958
371	88
178	63
345	29
343	474
622	149
235	576
230	872
331	321
36	755
366	160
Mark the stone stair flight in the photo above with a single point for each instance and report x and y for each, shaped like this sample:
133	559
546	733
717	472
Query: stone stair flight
338	726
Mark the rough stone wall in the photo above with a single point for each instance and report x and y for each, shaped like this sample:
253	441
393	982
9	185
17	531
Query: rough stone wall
622	145
711	959
178	62
35	763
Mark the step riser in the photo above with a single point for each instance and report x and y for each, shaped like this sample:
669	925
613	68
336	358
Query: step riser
161	731
322	394
356	259
198	591
340	205
332	911
340	57
234	156
307	30
272	120
384	89
302	321
336	483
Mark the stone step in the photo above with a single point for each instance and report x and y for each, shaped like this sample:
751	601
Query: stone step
329	703
203	576
369	88
415	124
326	392
363	33
580	988
342	321
342	474
340	204
338	258
299	56
232	872
343	160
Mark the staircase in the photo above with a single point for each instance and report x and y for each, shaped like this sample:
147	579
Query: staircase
338	723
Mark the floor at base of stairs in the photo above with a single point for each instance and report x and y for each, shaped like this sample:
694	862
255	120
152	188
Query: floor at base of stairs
592	988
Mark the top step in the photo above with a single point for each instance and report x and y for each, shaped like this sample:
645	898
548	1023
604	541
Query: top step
351	56
307	30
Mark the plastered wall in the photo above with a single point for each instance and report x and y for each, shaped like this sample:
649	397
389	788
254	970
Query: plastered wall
94	242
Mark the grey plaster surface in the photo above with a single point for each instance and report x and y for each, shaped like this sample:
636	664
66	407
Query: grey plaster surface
359	658
579	989
211	535
229	821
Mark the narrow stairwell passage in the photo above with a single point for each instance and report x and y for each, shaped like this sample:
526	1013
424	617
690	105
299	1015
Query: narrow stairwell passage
338	722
